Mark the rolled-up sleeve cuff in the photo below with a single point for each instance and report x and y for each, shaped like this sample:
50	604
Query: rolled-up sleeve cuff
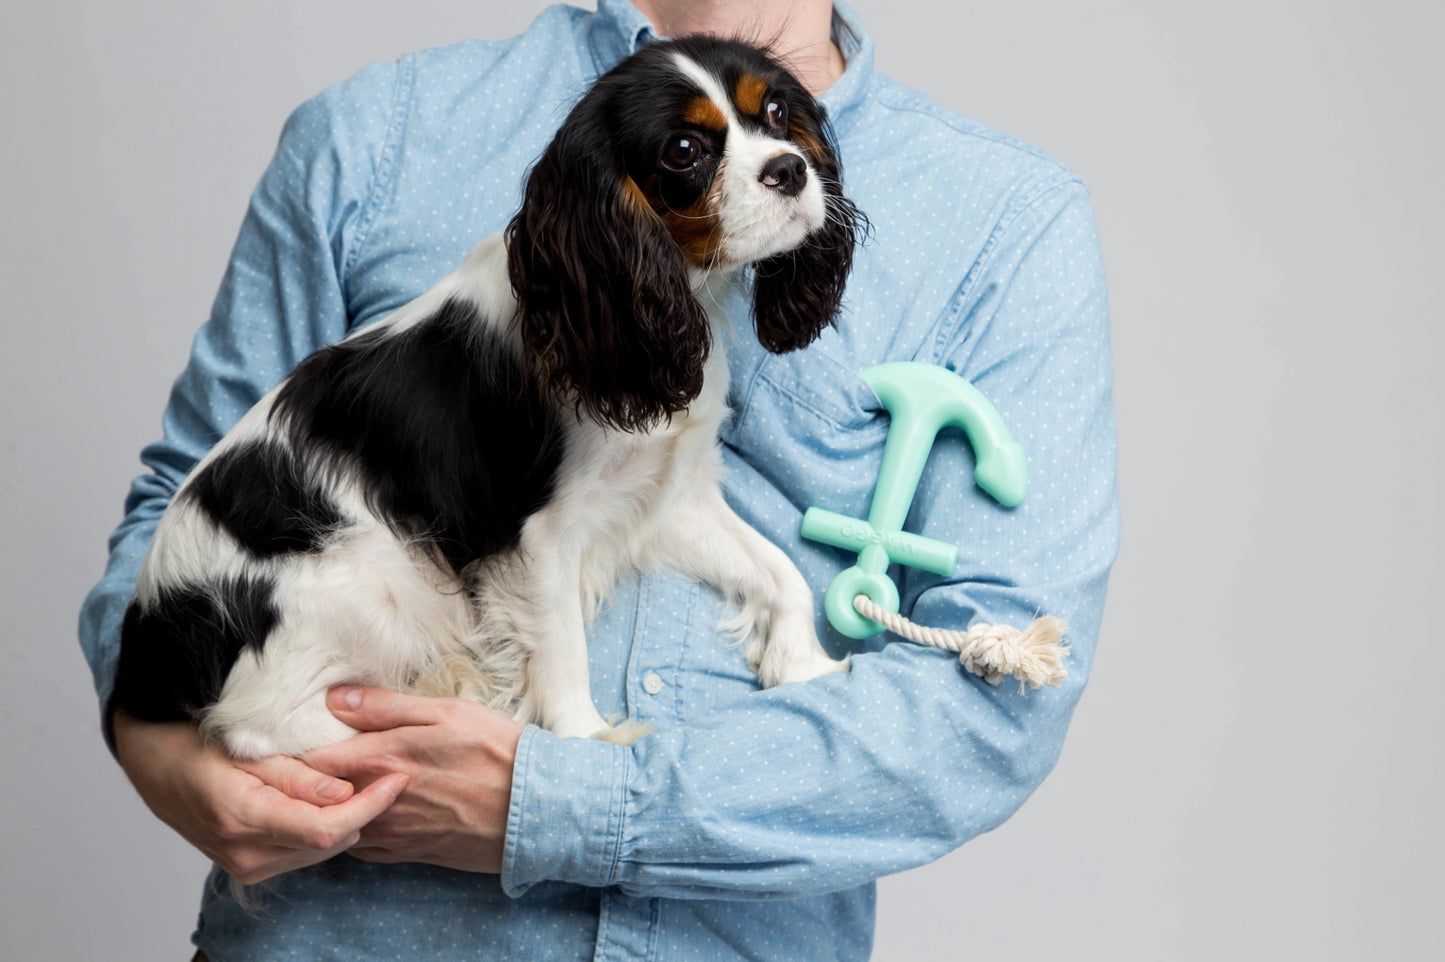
565	822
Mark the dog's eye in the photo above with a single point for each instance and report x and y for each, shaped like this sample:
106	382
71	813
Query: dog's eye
776	113
682	153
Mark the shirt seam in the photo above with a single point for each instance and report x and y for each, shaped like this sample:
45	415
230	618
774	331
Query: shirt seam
745	395
684	646
637	650
801	401
512	843
654	926
617	814
947	321
384	174
978	130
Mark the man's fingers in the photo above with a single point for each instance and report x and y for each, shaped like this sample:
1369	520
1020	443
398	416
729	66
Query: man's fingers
347	819
357	759
376	709
298	824
298	780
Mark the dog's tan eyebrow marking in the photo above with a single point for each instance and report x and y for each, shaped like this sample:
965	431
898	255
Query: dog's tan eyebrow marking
707	83
748	94
702	112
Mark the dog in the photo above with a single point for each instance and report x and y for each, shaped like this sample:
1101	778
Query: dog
436	503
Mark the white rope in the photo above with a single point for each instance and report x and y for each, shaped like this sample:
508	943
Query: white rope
1034	656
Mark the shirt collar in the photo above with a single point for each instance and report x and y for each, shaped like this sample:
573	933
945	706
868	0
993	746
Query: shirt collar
619	30
857	49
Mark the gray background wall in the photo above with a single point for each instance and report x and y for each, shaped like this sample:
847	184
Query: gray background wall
1254	771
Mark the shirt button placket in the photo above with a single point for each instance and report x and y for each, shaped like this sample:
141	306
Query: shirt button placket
659	647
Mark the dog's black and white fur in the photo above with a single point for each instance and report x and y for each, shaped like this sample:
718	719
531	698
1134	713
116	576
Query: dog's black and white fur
435	503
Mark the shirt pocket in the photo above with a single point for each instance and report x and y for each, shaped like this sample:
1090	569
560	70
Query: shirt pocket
812	428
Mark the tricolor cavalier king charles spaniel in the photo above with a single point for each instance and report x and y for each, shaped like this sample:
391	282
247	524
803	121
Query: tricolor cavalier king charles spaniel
437	502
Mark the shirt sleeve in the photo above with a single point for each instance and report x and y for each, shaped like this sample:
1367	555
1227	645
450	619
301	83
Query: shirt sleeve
817	787
281	298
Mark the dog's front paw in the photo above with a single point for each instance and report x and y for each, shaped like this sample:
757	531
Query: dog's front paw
623	733
589	724
780	666
791	651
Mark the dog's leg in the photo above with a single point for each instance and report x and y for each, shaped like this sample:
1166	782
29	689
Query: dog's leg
559	696
558	688
703	538
557	693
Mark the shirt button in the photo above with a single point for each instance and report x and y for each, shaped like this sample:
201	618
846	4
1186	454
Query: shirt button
652	683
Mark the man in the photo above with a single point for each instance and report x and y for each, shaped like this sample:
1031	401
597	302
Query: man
752	824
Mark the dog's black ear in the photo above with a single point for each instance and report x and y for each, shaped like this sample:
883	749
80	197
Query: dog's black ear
796	294
606	307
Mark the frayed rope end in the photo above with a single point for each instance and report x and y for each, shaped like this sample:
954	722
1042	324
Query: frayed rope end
1034	656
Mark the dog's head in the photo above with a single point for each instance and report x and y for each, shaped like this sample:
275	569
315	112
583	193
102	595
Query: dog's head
693	155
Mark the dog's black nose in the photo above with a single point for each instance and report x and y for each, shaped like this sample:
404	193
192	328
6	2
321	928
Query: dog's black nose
785	173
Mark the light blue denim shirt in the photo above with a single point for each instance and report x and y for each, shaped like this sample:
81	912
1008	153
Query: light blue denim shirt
753	823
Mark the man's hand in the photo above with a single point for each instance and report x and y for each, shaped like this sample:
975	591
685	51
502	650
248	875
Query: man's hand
254	819
458	756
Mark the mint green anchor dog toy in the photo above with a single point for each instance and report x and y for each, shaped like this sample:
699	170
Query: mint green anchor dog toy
862	601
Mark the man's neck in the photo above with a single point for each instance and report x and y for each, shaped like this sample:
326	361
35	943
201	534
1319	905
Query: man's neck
799	33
